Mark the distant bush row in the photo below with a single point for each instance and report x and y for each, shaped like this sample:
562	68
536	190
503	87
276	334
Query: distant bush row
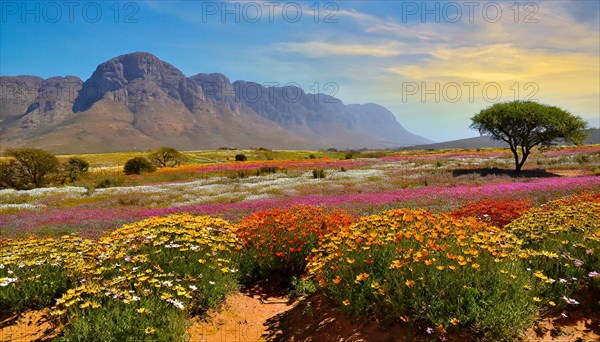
30	168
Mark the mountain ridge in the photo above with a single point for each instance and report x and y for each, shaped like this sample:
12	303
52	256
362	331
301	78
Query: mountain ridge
138	101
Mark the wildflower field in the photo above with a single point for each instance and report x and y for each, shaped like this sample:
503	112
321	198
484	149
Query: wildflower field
446	243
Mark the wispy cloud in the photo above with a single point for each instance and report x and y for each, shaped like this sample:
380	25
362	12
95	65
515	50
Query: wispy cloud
559	54
327	49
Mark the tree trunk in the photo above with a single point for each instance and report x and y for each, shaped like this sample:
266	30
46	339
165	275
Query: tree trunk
525	155
517	164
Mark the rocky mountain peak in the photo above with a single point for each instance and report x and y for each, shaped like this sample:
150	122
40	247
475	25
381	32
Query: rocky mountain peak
135	75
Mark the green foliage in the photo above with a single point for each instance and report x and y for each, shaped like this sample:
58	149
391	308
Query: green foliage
116	321
137	165
140	282
418	266
240	157
318	173
167	156
351	154
277	241
12	175
302	287
266	170
75	167
524	125
35	287
563	239
582	158
30	168
373	154
106	183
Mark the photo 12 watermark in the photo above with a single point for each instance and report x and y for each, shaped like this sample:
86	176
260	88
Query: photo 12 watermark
69	11
18	89
269	11
290	92
248	92
468	11
453	92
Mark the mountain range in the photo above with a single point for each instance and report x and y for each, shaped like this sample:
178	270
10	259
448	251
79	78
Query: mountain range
139	102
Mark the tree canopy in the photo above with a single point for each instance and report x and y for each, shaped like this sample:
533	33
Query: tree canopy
31	166
524	125
167	156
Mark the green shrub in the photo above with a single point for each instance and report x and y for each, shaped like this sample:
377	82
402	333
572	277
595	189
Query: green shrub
582	158
35	287
351	154
76	167
105	183
30	168
562	241
266	170
373	154
12	175
116	321
302	287
278	241
421	267
318	173
167	157
150	277
137	165
240	157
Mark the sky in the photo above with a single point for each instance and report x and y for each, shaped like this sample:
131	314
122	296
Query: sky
434	64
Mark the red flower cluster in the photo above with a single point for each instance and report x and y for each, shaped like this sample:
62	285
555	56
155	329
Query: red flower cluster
497	213
280	240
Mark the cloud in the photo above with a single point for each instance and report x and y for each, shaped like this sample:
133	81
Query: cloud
502	62
315	49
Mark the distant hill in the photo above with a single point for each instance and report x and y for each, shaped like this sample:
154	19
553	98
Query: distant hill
485	142
139	102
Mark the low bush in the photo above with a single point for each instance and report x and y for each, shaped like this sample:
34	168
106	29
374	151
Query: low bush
278	241
561	242
137	165
148	319
33	287
76	167
33	272
415	266
318	173
139	282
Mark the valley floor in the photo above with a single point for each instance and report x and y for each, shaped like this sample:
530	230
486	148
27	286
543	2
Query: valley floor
309	246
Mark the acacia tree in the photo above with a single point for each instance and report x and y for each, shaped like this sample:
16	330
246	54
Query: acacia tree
167	156
524	125
32	165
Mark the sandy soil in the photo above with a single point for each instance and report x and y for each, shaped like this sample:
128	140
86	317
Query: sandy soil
29	326
242	318
258	315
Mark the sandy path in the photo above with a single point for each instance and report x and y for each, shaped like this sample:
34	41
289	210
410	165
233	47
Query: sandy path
243	318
